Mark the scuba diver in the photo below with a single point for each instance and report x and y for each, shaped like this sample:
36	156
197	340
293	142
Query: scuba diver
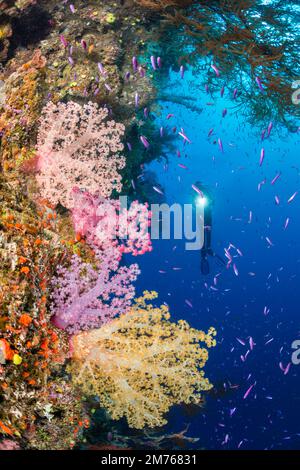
206	250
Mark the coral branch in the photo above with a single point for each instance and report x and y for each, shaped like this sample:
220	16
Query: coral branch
105	222
87	296
141	364
78	146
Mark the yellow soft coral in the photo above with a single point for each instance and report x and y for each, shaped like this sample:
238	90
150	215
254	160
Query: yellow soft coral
141	364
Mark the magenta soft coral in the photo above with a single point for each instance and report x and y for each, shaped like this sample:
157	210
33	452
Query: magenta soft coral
89	295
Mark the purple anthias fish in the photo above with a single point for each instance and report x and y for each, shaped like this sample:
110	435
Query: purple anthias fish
241	341
275	178
153	62
195	188
286	223
136	99
142	72
251	343
262	156
101	68
258	81
134	63
182	134
144	141
269	241
292	197
286	369
157	190
235	270
63	40
270	126
261	184
248	391
216	70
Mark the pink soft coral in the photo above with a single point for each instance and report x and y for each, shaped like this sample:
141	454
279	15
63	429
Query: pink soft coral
9	444
78	146
102	221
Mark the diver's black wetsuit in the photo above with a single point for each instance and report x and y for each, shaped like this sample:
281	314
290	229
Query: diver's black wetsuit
206	250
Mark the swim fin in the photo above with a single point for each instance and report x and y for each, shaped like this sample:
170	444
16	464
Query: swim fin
204	266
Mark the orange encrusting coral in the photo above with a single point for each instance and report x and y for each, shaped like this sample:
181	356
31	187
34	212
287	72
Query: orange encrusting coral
6	350
30	346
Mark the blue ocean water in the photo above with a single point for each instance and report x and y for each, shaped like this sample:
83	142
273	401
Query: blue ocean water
262	301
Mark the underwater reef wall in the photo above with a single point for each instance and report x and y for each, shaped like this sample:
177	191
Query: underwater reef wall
74	88
80	90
